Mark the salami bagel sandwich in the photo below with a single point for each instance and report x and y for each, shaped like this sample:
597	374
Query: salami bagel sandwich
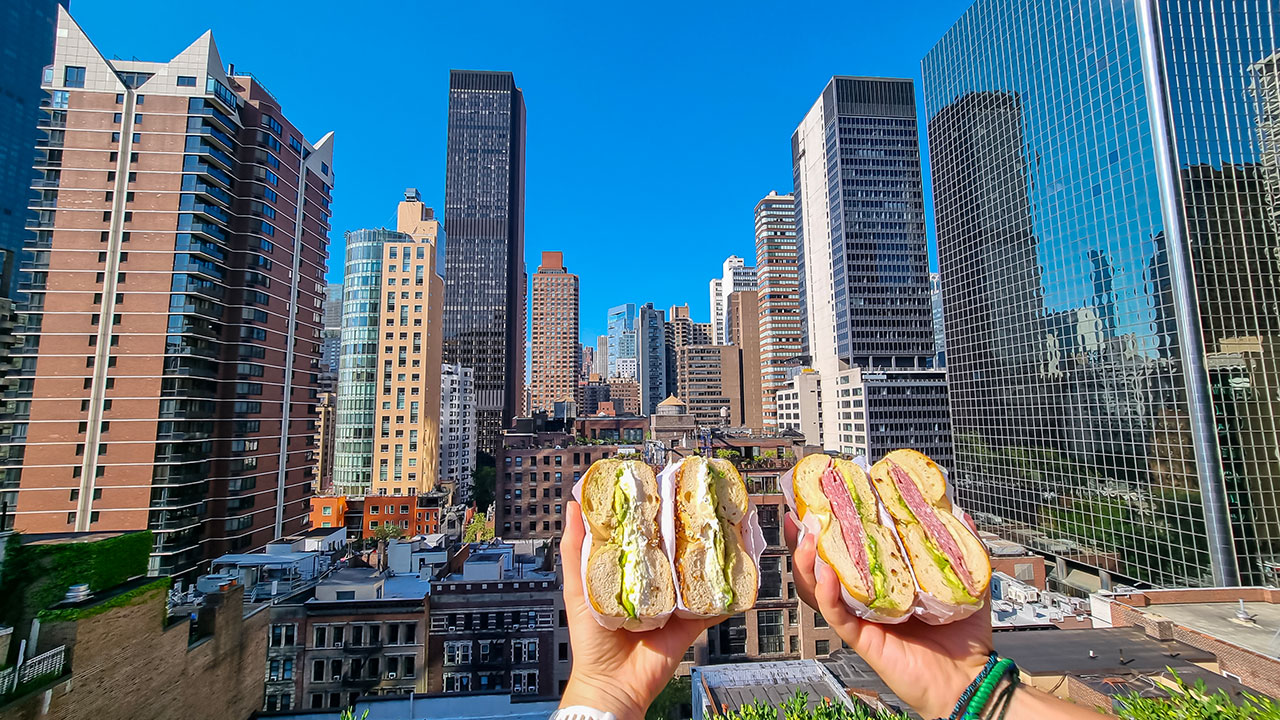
949	561
628	574
863	553
716	574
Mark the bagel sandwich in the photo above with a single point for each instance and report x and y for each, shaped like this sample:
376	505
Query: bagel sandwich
851	539
716	574
628	574
949	561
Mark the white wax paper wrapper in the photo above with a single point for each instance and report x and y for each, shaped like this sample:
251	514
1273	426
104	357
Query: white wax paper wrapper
639	624
752	536
926	607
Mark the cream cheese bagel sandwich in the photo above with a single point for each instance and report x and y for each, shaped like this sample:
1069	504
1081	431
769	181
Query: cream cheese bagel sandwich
717	575
628	574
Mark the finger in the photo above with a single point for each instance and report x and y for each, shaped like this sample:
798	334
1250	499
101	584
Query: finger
831	604
802	570
571	555
790	531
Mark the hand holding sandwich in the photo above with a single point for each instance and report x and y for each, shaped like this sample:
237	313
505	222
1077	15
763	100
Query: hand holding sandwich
615	671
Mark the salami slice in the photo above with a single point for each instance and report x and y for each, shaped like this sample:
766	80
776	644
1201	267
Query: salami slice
927	515
855	537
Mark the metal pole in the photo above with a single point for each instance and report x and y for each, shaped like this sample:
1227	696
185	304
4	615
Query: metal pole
1204	435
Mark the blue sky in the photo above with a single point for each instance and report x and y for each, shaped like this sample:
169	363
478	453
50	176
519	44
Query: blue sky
653	128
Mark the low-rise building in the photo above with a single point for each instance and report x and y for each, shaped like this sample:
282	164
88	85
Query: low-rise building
1239	626
672	424
498	624
618	429
113	652
356	633
535	474
625	394
800	406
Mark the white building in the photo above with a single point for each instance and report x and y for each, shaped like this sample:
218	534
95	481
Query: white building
800	406
735	277
457	430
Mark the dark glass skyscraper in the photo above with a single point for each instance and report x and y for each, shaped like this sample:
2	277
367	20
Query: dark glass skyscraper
860	225
26	34
484	255
1105	181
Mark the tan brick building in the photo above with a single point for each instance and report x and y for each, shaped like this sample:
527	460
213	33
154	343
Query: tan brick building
554	338
166	371
709	381
406	449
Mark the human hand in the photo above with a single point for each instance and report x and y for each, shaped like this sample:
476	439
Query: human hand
928	666
615	670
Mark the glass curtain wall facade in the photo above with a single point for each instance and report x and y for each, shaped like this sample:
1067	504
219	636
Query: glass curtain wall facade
1105	183
484	325
651	344
358	362
621	330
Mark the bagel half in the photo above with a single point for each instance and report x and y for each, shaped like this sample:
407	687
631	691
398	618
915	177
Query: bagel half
862	551
628	574
717	575
949	561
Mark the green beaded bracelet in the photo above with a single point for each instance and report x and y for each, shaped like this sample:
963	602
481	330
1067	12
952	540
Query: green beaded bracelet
983	694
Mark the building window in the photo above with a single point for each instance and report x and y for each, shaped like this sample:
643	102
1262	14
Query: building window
457	653
73	77
822	647
771	577
186	81
282	635
457	682
769	630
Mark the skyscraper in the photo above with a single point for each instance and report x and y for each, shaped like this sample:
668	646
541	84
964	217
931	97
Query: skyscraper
556	358
742	318
735	277
27	35
331	343
1106	215
681	330
623	361
781	336
457	431
939	334
173	319
600	359
651	349
484	257
864	292
387	427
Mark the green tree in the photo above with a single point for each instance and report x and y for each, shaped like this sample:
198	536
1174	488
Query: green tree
485	478
678	692
478	530
382	535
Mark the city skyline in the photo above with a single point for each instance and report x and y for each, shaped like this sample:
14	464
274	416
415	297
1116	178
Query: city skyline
748	163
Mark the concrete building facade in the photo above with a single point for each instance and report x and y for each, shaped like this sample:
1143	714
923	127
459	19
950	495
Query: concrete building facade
781	332
457	431
742	318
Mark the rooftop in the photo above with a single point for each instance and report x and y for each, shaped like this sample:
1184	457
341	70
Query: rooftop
501	705
738	684
264	559
1220	620
1114	650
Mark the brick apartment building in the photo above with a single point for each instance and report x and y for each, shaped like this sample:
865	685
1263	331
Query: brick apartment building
172	326
415	515
498	624
536	472
357	633
555	354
